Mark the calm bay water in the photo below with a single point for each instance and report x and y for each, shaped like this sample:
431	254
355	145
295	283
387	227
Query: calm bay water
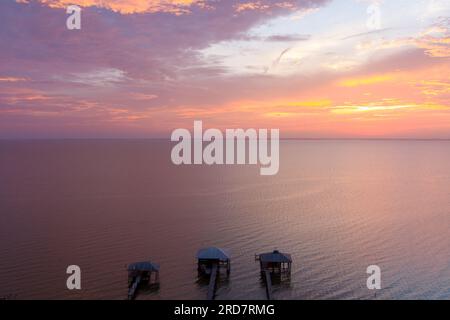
336	206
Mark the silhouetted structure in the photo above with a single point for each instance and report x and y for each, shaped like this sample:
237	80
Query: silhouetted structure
209	261
274	263
141	272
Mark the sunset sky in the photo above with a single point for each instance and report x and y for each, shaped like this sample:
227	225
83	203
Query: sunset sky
141	68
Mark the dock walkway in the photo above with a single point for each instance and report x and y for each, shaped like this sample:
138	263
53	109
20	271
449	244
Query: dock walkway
268	284
133	288
212	282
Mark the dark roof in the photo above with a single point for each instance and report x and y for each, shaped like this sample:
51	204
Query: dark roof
143	266
213	253
275	256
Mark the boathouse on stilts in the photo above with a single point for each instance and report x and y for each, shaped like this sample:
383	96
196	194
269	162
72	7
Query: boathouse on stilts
209	262
276	264
141	273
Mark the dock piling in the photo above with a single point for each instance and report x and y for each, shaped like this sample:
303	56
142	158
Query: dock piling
268	285
133	288
212	282
141	272
209	261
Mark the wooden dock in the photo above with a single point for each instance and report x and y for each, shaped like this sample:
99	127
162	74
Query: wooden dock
212	282
209	261
141	272
268	281
133	288
274	263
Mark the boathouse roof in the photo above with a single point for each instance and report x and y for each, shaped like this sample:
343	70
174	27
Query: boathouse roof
213	253
275	256
143	266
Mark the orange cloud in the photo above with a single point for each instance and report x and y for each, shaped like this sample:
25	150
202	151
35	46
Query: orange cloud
361	81
435	47
375	107
436	39
129	6
259	5
11	79
434	87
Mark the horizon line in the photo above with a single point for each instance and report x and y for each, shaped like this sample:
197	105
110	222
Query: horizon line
281	139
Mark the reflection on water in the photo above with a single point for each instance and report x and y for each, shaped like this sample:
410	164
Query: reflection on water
335	206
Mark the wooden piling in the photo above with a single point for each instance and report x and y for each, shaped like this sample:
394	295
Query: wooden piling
212	282
141	272
268	284
133	288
